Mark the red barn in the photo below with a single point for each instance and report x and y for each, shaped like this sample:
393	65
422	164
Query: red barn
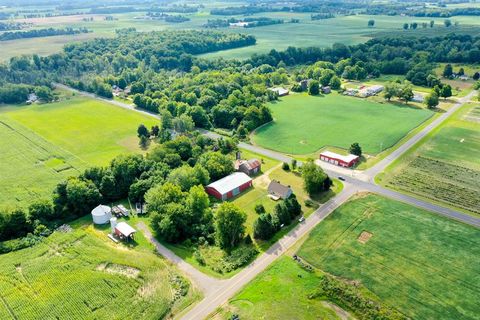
338	159
230	186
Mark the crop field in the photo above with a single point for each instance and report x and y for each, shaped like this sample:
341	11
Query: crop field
446	168
25	159
424	265
342	29
303	124
83	275
51	142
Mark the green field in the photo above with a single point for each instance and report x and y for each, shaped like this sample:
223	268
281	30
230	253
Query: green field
343	29
424	265
83	275
303	124
446	166
51	142
280	292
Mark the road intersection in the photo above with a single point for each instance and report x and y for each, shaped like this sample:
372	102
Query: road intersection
217	292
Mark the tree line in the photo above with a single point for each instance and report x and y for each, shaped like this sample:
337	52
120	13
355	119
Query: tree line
37	33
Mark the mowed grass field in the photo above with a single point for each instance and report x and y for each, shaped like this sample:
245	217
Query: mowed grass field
445	167
280	292
426	266
51	142
84	275
303	124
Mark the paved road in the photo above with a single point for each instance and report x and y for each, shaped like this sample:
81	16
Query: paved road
228	289
217	292
205	283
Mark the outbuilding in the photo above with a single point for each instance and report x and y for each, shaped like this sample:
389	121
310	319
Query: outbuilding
230	186
123	230
101	214
280	91
250	167
338	159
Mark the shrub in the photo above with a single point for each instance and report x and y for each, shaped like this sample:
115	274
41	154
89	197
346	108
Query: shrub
286	166
259	208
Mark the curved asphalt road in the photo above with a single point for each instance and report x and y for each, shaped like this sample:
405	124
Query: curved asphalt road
217	292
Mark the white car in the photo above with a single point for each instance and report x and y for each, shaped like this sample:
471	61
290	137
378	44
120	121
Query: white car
302	218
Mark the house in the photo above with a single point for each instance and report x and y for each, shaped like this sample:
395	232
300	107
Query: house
280	91
241	24
279	191
229	186
304	84
32	97
101	214
250	167
326	90
418	98
338	159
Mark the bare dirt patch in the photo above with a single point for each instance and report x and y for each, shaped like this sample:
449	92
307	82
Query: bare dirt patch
113	268
364	237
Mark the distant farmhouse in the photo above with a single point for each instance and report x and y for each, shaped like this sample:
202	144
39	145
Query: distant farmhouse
276	190
370	91
280	91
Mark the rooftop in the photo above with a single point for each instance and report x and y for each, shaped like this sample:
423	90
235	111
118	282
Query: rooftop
333	155
125	229
230	182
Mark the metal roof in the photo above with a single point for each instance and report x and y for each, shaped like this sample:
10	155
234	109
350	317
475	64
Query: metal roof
337	156
230	182
125	229
101	210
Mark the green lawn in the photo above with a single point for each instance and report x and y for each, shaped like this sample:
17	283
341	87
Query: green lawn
280	292
424	265
47	143
303	124
445	166
84	275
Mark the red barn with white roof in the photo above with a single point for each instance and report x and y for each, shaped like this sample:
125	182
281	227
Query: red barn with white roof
230	186
338	159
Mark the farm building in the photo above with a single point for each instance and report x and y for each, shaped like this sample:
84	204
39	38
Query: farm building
122	229
230	186
280	91
250	167
279	191
326	90
304	84
101	214
370	91
338	159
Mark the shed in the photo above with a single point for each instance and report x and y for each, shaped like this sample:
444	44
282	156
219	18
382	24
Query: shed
230	186
250	167
124	230
276	189
338	159
326	90
101	214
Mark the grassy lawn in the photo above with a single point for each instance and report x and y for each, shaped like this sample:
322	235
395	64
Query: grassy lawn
50	142
83	275
424	265
280	292
445	165
303	124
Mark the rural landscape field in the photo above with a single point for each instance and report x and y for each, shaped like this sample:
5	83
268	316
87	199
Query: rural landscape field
233	159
